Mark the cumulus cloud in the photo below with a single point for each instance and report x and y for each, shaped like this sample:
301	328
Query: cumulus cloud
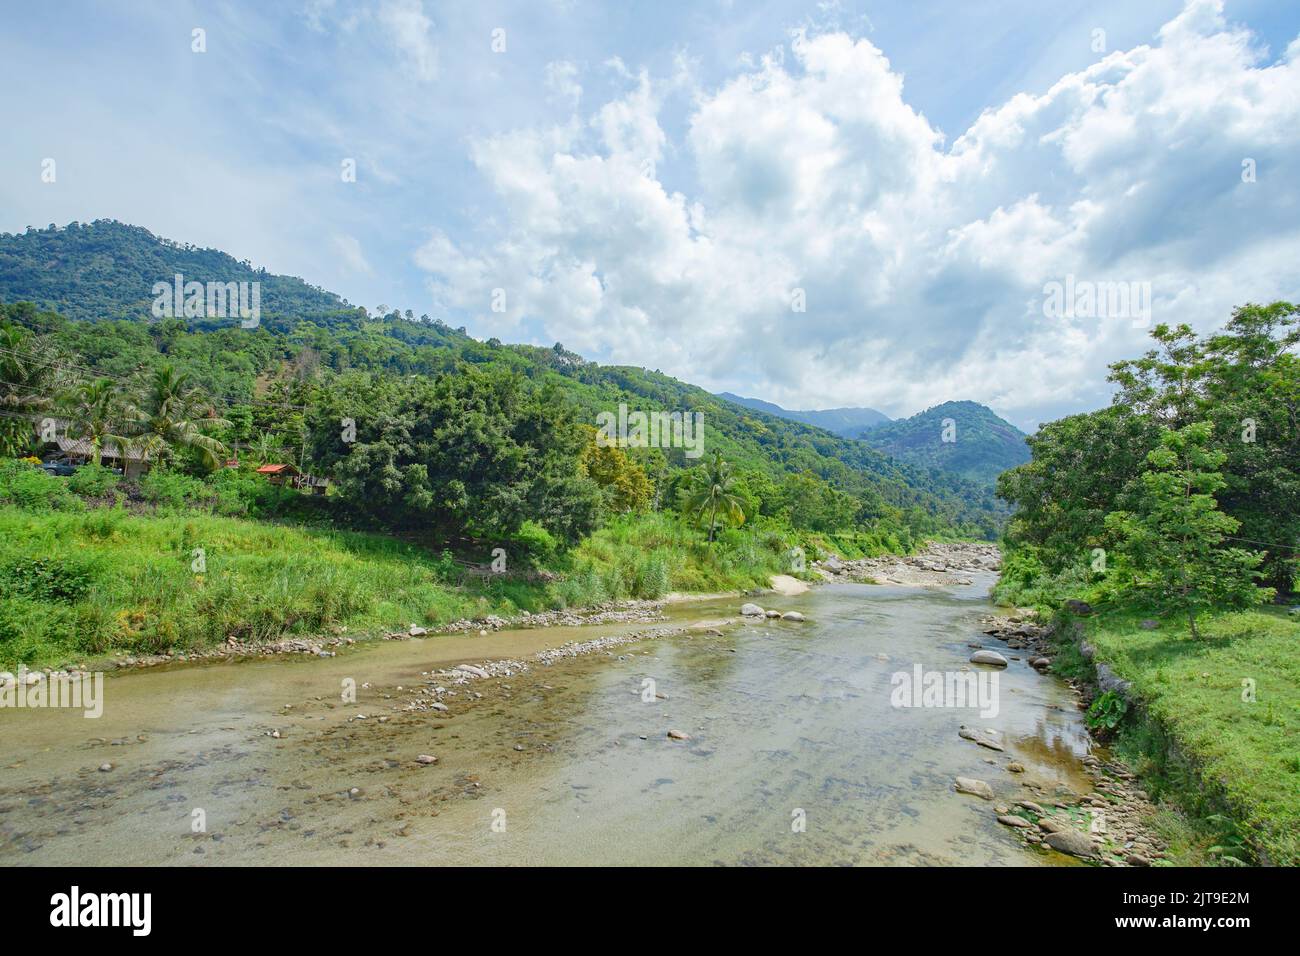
922	264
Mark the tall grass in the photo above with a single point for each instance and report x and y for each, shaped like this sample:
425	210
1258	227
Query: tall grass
77	582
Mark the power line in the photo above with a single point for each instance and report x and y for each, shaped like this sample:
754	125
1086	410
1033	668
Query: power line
1267	544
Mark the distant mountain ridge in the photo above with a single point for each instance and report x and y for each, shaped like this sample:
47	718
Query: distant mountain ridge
964	438
845	422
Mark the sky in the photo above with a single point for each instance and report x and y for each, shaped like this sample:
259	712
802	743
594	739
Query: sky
819	204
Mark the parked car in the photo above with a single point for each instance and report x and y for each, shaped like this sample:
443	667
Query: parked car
60	468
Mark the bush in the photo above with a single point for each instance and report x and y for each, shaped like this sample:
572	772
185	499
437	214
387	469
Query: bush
172	489
27	486
47	579
535	542
92	481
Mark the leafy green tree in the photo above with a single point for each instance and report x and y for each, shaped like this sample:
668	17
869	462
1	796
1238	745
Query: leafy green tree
96	413
622	481
473	453
1245	379
712	493
1172	543
1083	467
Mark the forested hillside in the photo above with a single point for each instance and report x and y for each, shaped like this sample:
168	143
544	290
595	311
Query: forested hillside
978	446
311	348
107	269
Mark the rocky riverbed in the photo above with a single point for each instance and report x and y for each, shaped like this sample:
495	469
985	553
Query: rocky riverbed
939	565
1111	825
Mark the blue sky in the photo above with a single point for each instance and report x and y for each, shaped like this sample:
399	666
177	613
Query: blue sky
649	183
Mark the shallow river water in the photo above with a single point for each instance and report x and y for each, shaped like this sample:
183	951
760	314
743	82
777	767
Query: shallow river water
796	754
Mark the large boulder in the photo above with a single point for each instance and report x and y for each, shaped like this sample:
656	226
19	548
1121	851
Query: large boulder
1072	842
792	616
751	610
992	658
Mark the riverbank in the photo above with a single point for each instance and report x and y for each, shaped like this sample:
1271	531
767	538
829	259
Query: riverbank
102	587
1209	725
1117	824
935	566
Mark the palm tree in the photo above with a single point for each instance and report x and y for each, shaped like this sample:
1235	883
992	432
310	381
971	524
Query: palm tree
711	491
29	378
175	414
95	411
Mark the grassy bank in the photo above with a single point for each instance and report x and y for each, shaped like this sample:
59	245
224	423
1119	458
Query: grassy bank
1229	762
80	582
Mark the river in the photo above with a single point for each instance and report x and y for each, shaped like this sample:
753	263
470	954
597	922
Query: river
795	756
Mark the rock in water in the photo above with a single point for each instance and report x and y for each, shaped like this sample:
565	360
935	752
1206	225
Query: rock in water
1072	842
792	616
426	759
751	610
979	737
1011	820
976	788
988	657
678	735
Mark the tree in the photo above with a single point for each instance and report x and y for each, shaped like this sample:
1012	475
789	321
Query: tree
1172	543
473	453
622	481
29	378
712	492
174	415
96	414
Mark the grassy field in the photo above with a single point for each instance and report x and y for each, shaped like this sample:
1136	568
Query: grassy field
1237	757
81	582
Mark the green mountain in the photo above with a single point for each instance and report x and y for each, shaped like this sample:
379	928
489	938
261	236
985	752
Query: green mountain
845	422
107	270
964	438
99	279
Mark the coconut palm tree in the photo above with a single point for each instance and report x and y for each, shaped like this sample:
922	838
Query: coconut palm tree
175	414
711	492
96	414
29	380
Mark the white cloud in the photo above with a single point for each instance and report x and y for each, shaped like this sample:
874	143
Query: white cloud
562	83
411	32
923	264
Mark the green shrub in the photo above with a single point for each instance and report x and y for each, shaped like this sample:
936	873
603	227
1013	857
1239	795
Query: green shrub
92	481
27	486
47	578
171	489
1106	712
535	542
